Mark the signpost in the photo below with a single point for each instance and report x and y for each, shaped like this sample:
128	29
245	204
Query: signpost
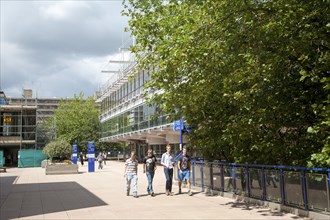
178	126
74	154
91	156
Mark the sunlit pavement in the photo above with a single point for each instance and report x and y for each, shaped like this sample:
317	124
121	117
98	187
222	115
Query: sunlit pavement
27	193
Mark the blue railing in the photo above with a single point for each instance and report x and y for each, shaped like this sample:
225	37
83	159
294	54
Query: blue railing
301	187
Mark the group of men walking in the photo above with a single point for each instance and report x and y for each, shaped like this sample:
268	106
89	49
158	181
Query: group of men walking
150	166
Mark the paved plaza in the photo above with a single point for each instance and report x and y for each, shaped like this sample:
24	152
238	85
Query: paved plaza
27	193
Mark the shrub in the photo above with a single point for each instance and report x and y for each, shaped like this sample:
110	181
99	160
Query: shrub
58	148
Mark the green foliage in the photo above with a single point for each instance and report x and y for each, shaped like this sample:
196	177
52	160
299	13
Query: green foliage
251	76
76	120
58	148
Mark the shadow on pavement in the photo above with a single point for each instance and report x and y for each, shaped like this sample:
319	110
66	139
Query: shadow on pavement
262	211
23	200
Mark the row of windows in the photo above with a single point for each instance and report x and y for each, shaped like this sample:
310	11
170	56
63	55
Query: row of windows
127	91
33	101
139	118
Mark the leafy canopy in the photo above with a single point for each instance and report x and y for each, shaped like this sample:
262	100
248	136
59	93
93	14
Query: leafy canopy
251	76
76	121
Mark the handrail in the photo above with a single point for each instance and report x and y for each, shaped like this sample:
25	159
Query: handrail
292	186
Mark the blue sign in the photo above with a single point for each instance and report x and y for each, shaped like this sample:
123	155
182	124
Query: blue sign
74	154
91	156
178	125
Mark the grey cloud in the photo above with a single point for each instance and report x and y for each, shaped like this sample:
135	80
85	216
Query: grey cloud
41	39
95	29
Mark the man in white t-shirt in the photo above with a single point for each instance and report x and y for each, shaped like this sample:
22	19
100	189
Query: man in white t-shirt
131	169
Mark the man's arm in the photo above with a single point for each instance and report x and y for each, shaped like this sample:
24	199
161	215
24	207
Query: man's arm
189	164
162	162
155	167
179	166
144	165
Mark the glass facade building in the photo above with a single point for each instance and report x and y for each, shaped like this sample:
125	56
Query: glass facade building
125	117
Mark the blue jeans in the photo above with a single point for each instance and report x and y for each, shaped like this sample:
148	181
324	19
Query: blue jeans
150	176
129	178
169	177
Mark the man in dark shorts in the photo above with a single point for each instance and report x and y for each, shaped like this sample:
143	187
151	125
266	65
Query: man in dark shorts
184	165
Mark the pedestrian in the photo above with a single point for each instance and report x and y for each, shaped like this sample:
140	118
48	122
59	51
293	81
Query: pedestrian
271	178
100	159
81	158
130	173
149	168
104	158
184	165
167	161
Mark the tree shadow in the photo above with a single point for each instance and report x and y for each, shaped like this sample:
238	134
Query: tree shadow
264	211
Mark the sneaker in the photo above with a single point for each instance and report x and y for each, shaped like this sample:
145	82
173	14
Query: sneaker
170	194
152	194
167	193
136	196
190	193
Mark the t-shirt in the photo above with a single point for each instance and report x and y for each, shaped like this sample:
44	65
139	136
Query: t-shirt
131	166
184	162
150	163
167	160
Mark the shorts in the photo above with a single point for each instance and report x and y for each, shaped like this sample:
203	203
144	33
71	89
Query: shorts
184	175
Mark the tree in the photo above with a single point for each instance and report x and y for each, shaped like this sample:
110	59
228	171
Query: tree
76	121
251	76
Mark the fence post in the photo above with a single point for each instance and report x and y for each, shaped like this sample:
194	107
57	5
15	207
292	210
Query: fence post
211	176
304	188
222	179
328	188
234	177
247	184
282	185
202	176
263	182
193	173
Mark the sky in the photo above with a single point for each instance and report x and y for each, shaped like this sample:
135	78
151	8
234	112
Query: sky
59	48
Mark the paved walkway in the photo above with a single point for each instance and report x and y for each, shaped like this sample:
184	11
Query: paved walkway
27	193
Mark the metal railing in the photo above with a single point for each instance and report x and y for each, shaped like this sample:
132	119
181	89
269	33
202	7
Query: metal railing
301	187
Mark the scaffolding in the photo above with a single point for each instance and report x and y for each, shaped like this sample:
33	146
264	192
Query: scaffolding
17	131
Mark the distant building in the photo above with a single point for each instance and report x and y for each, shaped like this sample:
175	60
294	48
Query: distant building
17	130
45	108
20	119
